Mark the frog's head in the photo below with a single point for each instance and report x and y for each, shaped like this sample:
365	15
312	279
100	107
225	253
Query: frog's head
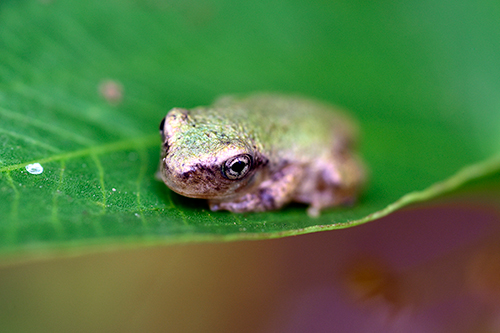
206	159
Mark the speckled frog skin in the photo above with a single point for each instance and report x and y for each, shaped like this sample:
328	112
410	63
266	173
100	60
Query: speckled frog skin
260	152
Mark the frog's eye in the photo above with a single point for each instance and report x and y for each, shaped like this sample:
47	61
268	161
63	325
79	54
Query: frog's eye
237	167
162	129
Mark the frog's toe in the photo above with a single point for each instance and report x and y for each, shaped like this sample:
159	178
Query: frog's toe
214	206
313	211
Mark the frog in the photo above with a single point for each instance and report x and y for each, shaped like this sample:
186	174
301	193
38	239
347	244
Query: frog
262	151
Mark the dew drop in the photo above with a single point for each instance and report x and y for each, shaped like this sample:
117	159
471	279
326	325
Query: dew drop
34	169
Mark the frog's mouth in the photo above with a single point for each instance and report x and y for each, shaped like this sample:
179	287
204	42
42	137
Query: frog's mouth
203	182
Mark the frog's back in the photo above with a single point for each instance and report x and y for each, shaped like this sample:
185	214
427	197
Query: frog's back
290	126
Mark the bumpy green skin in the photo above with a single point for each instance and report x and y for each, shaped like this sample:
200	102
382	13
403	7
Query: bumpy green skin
302	150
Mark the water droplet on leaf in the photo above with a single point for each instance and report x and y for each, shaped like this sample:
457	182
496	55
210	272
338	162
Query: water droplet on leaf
34	169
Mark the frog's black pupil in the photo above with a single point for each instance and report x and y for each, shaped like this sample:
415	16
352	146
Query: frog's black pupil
238	166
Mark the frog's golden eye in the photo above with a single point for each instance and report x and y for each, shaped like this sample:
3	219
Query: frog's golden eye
237	167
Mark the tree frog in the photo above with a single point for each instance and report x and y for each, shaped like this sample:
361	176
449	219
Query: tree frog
260	152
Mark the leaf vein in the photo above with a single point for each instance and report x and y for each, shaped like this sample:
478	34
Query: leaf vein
55	218
45	126
14	212
31	140
140	177
145	141
100	171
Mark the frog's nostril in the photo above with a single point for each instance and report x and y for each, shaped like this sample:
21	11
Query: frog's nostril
186	175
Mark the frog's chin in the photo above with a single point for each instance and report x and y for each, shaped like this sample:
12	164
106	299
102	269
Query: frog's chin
194	195
209	190
203	190
209	196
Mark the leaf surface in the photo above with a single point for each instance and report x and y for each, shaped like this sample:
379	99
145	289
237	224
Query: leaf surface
421	78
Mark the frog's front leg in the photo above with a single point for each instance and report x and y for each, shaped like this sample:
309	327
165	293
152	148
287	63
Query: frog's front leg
269	195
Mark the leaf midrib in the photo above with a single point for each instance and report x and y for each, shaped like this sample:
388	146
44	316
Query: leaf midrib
137	142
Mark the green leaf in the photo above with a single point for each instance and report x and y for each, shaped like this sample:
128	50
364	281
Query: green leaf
421	77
